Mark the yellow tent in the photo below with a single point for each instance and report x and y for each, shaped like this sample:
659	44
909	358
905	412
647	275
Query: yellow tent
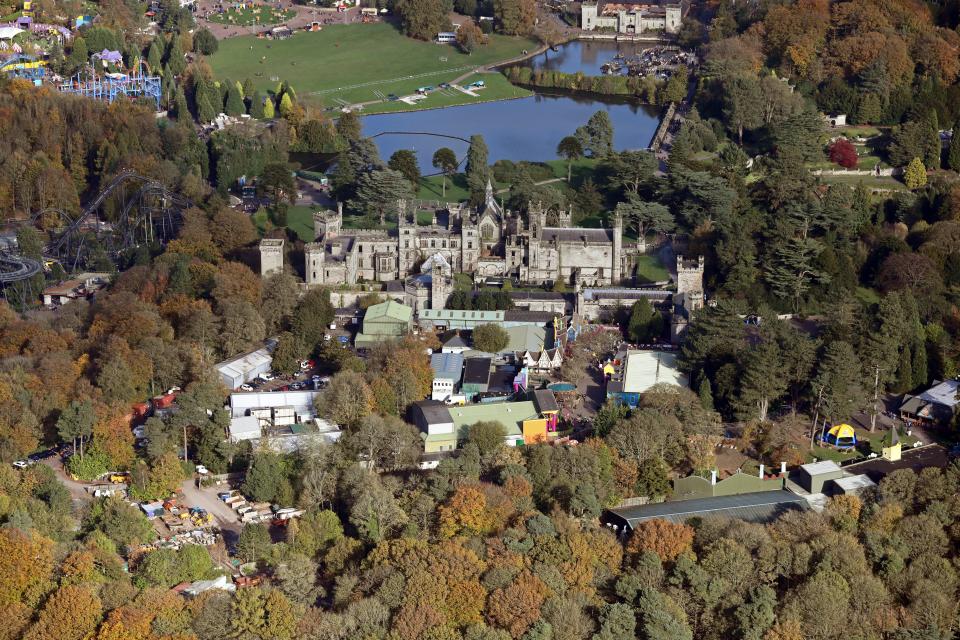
842	431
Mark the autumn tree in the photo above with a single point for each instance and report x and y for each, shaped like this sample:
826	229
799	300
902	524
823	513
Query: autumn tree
71	613
843	153
666	539
346	400
517	606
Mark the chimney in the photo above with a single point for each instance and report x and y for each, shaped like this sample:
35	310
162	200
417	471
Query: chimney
713	476
340	209
783	468
761	472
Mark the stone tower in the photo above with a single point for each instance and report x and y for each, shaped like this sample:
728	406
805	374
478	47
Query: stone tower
616	274
565	217
271	256
690	282
439	282
313	253
327	224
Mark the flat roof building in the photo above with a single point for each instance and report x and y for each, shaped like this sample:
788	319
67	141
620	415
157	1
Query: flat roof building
815	475
639	371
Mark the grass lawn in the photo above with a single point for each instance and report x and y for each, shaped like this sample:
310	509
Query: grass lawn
260	14
299	220
498	88
582	168
868	443
354	62
650	269
431	188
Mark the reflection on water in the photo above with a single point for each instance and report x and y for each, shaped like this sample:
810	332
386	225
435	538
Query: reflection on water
585	55
525	129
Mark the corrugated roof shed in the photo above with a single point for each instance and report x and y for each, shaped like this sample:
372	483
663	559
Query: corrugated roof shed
764	506
447	365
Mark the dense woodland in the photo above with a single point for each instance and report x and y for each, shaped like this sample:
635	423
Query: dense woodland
498	542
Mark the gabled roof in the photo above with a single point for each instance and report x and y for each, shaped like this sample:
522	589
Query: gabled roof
456	341
434	412
545	401
390	310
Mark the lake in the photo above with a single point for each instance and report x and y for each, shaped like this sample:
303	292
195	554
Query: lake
524	129
585	55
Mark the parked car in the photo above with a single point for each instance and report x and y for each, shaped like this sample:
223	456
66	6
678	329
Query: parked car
21	464
246	387
202	470
268	376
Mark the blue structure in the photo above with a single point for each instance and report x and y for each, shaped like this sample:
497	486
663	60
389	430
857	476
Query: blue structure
24	66
113	86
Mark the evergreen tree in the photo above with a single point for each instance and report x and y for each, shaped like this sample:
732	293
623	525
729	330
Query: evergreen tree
762	380
174	58
180	109
919	365
597	135
915	175
904	381
706	394
638	328
841	378
257	106
405	161
205	111
286	105
953	155
234	103
154	56
478	168
78	55
268	110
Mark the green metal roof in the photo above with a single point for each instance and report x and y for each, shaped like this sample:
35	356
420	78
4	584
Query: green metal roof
510	414
390	310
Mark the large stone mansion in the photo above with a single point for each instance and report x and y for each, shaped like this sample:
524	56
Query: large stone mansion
490	242
632	16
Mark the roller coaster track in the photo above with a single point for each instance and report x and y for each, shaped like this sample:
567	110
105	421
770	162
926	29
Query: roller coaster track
152	213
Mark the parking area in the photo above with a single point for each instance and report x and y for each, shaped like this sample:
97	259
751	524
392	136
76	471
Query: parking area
310	378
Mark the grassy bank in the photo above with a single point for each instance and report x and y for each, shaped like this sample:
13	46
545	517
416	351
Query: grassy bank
354	63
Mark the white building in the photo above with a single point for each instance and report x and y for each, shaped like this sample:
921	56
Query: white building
244	368
632	16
